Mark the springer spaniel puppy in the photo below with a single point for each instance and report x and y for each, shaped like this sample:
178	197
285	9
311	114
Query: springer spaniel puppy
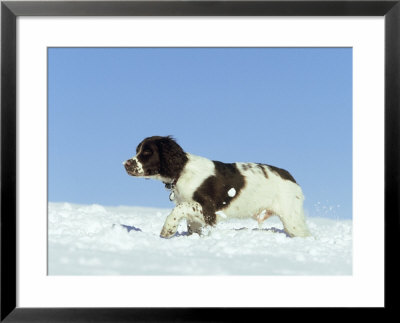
207	191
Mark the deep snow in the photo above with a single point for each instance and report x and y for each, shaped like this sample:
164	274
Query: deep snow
91	240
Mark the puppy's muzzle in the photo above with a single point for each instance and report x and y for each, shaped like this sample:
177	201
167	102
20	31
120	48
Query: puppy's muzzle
133	167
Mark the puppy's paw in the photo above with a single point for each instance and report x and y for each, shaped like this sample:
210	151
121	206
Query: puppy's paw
167	232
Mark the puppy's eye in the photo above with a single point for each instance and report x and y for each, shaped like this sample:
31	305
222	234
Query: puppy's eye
147	152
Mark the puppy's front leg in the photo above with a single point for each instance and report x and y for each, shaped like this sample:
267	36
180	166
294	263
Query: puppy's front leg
183	210
171	223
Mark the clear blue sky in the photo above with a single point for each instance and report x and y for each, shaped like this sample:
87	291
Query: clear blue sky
287	107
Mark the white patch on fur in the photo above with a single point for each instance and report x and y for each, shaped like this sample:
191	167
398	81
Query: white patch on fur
196	171
232	192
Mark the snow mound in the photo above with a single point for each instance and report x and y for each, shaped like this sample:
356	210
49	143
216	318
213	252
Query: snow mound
96	240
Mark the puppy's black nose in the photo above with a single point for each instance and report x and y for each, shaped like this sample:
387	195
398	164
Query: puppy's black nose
128	163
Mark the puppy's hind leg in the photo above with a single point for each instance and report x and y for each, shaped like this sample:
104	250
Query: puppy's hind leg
295	224
262	216
294	221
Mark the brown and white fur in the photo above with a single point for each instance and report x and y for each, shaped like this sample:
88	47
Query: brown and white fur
207	191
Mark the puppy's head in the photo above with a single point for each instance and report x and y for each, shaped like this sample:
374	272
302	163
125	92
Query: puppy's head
157	157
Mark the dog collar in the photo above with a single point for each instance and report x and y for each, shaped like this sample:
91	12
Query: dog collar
171	186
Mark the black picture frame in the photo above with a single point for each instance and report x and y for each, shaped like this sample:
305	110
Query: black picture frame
10	10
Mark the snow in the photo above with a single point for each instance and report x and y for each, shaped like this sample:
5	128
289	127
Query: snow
91	240
232	192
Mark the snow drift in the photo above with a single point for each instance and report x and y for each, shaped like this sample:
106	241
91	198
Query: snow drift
98	240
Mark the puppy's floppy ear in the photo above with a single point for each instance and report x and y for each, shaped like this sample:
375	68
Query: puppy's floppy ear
172	157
